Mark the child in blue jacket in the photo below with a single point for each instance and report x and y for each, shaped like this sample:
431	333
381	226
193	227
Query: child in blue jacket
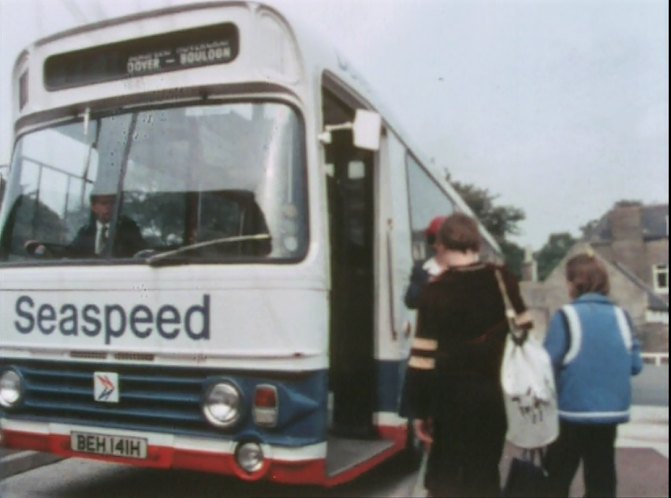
594	353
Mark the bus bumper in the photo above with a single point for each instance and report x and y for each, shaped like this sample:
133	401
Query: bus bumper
290	465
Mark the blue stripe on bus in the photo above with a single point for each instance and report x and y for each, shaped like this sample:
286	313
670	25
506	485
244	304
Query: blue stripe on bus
162	399
167	400
390	375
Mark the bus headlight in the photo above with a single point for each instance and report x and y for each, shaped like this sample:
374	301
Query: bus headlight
11	388
249	457
222	404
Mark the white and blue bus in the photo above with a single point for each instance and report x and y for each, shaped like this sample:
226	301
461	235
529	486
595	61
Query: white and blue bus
256	325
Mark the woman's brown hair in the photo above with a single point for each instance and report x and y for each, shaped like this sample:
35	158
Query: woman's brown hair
459	232
587	274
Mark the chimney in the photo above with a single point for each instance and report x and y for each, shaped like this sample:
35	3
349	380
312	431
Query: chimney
529	267
626	221
628	247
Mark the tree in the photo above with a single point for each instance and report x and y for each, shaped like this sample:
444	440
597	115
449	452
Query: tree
500	221
553	252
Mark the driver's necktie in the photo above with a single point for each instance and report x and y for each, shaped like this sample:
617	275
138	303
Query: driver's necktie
102	241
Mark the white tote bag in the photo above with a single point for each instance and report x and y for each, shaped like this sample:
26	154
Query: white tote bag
529	394
528	386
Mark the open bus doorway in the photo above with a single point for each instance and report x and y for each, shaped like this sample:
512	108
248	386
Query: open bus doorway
350	174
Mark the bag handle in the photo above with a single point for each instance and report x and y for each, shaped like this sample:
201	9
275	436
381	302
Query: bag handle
518	334
533	454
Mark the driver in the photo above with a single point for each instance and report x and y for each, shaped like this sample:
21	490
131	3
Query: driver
93	239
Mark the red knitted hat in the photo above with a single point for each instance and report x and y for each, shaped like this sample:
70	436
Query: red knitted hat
435	225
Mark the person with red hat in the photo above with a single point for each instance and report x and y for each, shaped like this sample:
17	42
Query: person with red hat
424	271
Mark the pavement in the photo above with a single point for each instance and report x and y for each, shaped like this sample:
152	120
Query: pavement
642	456
14	462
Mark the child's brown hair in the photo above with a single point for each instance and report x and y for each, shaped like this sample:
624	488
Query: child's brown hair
587	274
459	232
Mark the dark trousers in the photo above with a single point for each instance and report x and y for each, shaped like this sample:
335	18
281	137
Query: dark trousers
469	435
594	444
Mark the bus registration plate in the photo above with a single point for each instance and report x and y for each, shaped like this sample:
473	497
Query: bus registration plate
105	444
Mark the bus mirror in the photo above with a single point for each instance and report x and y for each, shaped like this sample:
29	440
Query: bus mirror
87	116
366	129
325	137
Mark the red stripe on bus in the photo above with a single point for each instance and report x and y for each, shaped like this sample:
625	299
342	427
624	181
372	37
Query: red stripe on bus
280	471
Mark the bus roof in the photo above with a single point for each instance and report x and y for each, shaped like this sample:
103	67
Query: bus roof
319	56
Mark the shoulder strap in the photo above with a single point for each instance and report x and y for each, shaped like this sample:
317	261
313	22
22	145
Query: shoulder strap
574	331
623	325
510	312
519	335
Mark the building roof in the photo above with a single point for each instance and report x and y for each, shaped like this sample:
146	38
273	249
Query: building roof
655	221
655	301
654	224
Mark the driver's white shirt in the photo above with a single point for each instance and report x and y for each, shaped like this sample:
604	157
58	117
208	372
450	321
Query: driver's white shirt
100	229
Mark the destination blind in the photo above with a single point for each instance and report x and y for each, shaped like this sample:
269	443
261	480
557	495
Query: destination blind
217	44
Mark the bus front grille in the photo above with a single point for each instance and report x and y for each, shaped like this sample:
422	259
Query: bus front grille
152	398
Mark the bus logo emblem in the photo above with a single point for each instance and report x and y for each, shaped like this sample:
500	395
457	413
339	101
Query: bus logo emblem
106	387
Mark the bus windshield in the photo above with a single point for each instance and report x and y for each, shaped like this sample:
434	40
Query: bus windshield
198	183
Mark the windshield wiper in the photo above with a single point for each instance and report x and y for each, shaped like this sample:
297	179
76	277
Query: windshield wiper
157	258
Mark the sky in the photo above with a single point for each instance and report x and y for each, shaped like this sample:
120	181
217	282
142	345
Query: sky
560	108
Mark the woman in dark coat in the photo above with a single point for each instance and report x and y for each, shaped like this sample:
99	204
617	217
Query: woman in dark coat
453	388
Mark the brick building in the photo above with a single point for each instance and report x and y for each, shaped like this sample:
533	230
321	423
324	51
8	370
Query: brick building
632	240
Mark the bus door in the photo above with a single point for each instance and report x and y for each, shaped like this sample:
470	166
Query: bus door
351	219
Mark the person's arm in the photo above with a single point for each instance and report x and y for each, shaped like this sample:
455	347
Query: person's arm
523	318
83	245
635	354
557	341
418	389
76	248
424	431
418	280
35	248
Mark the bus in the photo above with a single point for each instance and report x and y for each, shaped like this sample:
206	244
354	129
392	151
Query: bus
242	312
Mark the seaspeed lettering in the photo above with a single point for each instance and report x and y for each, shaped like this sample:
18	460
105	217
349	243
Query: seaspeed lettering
112	321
